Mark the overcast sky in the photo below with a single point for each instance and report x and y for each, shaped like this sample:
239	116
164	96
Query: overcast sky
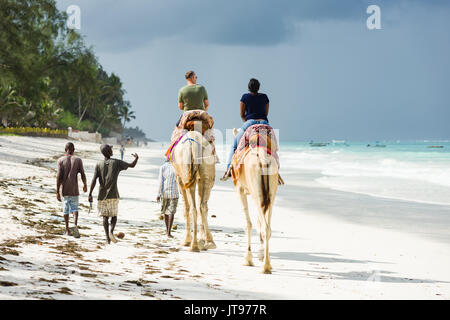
326	74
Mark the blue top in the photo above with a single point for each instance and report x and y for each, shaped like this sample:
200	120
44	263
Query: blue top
255	106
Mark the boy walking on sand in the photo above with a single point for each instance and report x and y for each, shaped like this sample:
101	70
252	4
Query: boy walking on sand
107	172
168	191
67	176
122	151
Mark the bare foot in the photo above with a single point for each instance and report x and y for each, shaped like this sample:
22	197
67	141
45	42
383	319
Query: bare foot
113	238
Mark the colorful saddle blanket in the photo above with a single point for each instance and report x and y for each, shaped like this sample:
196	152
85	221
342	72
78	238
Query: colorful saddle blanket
189	122
256	136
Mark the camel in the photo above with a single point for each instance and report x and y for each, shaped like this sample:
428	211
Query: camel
259	178
194	165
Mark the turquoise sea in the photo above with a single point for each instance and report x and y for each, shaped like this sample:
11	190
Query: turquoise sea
405	170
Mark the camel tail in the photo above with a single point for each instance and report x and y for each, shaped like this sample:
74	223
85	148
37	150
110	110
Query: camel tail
265	184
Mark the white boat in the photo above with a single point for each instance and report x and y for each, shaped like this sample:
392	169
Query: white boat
339	143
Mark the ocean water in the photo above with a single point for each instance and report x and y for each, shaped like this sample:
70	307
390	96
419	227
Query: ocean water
404	170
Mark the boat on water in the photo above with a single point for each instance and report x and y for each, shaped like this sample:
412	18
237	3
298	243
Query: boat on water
340	143
377	145
435	147
318	144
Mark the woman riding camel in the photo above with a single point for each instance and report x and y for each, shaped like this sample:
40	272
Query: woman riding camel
254	110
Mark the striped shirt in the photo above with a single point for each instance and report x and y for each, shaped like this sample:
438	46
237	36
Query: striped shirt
168	187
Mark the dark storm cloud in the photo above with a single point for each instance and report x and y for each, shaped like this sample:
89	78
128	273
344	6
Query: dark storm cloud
316	59
124	25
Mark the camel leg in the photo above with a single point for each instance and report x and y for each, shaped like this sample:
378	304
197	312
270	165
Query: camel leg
204	191
193	213
201	220
188	238
261	240
261	247
201	230
243	197
268	233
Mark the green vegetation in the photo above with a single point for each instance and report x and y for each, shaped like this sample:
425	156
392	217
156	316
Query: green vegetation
135	133
49	78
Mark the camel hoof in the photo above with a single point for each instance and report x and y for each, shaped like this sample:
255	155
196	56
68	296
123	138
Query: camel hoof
261	256
194	249
267	271
248	263
211	245
186	243
201	245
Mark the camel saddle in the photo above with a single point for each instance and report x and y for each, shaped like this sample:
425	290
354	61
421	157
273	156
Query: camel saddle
258	135
190	122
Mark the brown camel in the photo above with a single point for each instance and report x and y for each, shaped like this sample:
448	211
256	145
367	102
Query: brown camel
194	164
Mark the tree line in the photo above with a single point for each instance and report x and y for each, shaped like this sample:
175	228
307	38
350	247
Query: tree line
50	78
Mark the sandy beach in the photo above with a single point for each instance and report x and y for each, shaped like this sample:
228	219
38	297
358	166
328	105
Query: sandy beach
326	243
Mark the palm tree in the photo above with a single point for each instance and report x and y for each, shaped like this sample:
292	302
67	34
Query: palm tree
12	107
126	114
106	114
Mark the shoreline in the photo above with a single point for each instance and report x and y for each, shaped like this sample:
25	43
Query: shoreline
382	212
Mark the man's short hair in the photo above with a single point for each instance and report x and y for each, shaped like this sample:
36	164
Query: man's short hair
189	74
70	147
104	149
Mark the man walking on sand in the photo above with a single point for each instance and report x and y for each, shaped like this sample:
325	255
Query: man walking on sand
107	172
168	191
67	176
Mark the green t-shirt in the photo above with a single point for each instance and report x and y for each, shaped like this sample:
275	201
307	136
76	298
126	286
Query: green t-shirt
107	172
193	97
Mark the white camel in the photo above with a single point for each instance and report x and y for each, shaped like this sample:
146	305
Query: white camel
194	164
259	178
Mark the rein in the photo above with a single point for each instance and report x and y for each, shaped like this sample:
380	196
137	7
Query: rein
190	139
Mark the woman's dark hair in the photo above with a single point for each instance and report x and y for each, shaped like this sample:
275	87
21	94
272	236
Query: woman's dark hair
253	85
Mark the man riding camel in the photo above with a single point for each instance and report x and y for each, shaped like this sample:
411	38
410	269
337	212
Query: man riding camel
193	100
192	96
